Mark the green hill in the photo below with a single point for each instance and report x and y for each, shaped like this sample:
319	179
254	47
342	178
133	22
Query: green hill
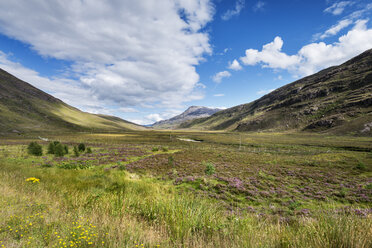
24	108
334	100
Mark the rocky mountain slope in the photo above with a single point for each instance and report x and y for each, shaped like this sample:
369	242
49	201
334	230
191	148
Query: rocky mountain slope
334	100
191	113
24	108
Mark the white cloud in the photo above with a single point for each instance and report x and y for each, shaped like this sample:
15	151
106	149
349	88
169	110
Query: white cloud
338	8
239	5
235	65
128	110
220	75
154	118
69	90
138	121
134	53
218	95
361	12
271	56
335	29
259	6
264	92
315	56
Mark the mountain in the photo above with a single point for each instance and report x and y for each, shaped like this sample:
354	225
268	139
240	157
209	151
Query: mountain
24	108
191	113
334	100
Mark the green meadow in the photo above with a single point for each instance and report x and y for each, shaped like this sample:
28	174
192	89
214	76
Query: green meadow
186	189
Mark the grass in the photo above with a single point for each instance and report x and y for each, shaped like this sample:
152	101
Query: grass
275	191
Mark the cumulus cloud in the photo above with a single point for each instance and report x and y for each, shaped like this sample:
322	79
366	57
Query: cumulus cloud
128	110
220	75
270	56
338	8
335	29
134	53
71	91
314	56
239	5
235	65
154	117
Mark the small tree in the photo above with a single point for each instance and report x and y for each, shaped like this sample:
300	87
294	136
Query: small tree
59	150
51	148
76	151
35	149
81	147
65	147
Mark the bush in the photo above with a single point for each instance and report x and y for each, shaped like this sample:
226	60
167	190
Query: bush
121	166
51	148
81	147
171	160
76	151
361	166
164	149
65	147
75	166
155	149
209	169
59	150
89	150
35	149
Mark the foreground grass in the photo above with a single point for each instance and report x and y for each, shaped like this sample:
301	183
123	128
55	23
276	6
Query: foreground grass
100	207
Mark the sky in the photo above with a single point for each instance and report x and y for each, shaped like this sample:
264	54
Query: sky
149	60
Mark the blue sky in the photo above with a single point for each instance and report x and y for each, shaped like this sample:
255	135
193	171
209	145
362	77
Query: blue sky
148	60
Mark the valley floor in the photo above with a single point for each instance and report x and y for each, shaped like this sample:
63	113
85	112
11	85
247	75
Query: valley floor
156	189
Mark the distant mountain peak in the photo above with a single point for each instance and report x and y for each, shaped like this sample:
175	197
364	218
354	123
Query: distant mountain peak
191	113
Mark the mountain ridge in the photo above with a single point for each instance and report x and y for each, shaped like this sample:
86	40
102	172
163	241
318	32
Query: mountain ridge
24	108
337	99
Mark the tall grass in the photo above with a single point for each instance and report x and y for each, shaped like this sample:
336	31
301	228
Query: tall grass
128	210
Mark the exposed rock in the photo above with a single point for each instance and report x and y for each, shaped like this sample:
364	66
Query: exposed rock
367	128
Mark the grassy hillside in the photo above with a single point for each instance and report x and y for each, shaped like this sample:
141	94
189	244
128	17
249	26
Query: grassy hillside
335	100
24	108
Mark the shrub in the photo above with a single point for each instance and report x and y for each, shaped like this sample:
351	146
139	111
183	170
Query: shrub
75	166
68	166
361	166
47	165
81	147
155	149
164	149
209	169
35	149
65	147
59	150
89	150
171	160
51	148
121	166
76	151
